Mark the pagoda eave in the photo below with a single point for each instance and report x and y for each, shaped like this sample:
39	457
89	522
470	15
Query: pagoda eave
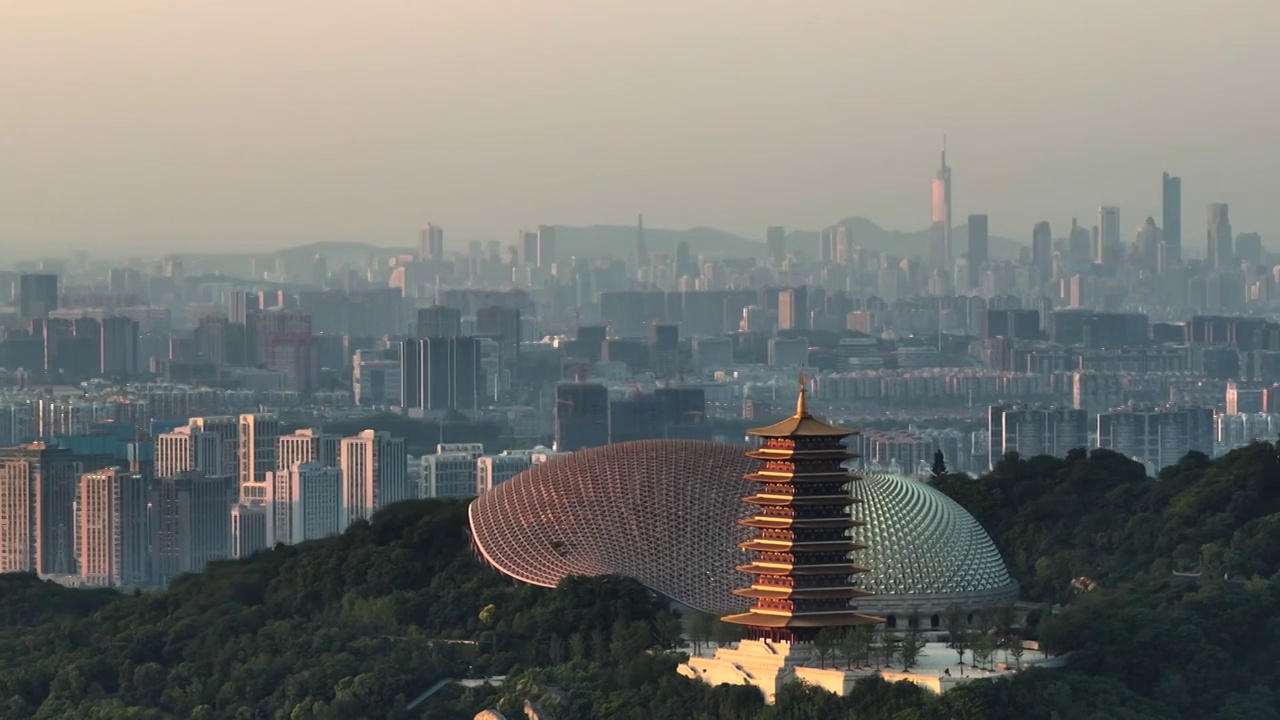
801	547
841	619
770	523
802	593
756	568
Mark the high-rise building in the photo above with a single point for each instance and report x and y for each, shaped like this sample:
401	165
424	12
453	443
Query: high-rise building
1156	437
1171	217
1042	250
1032	431
307	445
439	321
664	349
303	503
581	416
297	356
227	428
118	347
259	435
1221	255
440	374
240	304
801	567
546	246
37	520
113	536
374	474
979	247
776	242
248	528
642	245
528	247
493	470
940	230
186	449
1249	248
1108	246
37	295
191	524
793	309
792	352
451	471
431	243
503	325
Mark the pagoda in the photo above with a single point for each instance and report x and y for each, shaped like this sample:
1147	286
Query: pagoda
802	575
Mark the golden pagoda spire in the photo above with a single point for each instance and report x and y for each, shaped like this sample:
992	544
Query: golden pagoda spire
802	401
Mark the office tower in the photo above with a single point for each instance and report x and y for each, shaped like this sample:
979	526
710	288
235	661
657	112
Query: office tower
306	445
190	524
374	474
685	264
439	321
1032	431
297	357
493	470
303	503
1108	246
451	471
1171	217
788	352
263	325
258	437
186	449
712	353
638	417
793	309
1042	250
843	247
642	245
940	230
240	304
37	295
827	246
440	374
118	347
37	521
581	416
1079	245
1249	248
1156	437
1221	255
248	529
431	243
503	325
113	538
227	428
664	349
546	239
776	242
528	246
979	247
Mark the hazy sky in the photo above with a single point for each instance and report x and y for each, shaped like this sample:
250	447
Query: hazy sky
264	123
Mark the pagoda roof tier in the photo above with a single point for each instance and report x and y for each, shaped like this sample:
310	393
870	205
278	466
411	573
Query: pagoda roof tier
804	477
765	522
825	593
839	500
801	547
835	619
768	453
802	423
756	568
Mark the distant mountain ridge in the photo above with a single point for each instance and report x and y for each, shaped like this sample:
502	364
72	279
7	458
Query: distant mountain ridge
620	241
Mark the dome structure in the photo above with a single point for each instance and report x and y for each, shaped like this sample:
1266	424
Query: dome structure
666	513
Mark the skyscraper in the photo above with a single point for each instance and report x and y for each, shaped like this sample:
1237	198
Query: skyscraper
259	434
1108	246
1042	250
440	374
303	503
187	449
546	246
1221	253
642	245
374	474
503	325
1171	212
307	445
113	538
248	528
439	321
776	242
37	295
37	525
118	346
227	428
581	416
191	524
793	308
431	243
940	230
979	247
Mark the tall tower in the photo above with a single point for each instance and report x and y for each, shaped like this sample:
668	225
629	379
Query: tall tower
1171	217
642	245
1221	255
1109	247
940	230
802	572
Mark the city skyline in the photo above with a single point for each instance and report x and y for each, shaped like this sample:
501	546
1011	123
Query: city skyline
154	129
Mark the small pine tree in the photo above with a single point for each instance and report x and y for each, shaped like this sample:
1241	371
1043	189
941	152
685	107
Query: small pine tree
939	465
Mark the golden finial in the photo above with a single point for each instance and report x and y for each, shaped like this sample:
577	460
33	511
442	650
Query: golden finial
802	402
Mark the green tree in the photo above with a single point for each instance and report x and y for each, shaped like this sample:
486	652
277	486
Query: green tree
954	621
939	468
913	642
823	644
700	629
853	642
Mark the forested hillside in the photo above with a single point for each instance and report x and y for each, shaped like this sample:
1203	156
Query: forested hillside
359	625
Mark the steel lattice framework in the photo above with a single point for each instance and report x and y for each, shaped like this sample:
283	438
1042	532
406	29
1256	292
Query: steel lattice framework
664	512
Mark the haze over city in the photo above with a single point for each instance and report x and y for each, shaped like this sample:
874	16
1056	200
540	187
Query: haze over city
150	127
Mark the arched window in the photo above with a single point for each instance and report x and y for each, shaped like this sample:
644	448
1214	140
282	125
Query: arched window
891	622
935	622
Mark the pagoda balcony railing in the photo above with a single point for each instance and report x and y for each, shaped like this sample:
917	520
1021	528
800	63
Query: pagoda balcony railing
802	536
806	606
813	558
773	604
797	467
